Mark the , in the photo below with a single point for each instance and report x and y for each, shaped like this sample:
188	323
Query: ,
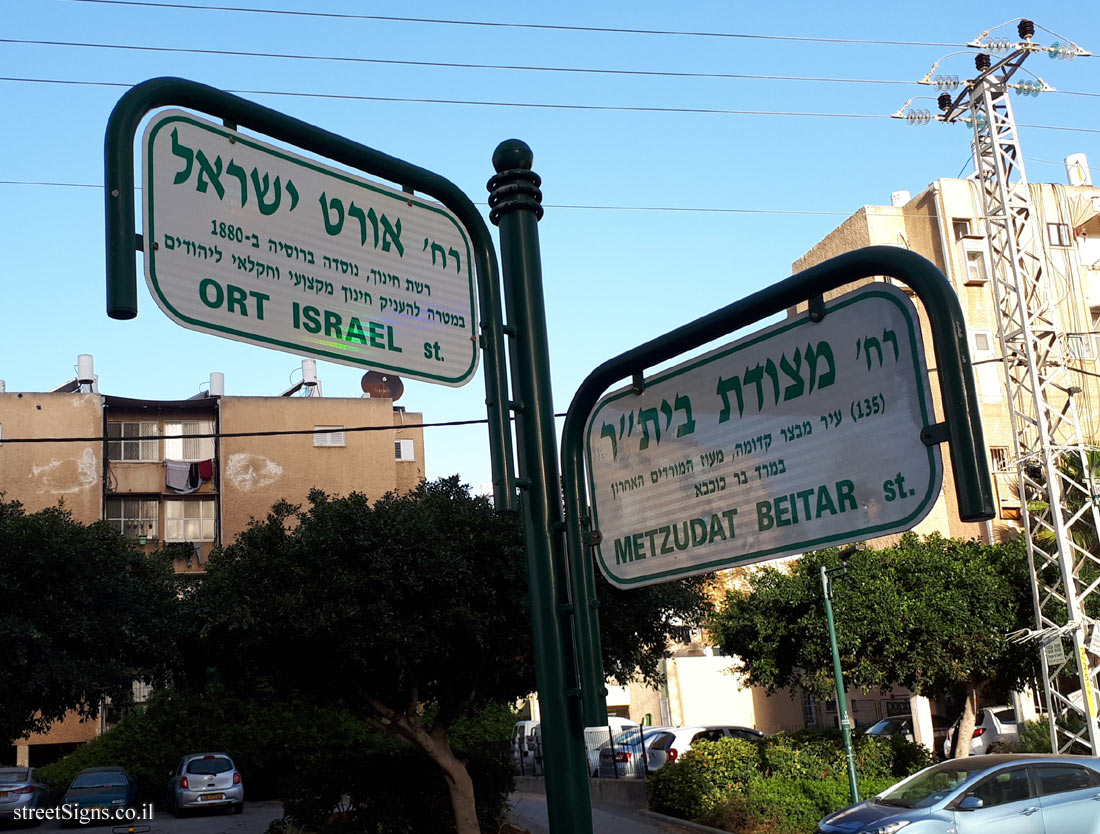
1019	793
206	780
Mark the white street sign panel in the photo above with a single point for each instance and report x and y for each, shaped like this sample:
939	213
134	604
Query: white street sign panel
798	437
250	242
1055	652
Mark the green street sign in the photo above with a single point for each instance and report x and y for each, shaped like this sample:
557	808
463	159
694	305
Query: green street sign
802	435
251	242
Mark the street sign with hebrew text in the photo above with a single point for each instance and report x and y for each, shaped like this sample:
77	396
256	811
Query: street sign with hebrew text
800	436
248	241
